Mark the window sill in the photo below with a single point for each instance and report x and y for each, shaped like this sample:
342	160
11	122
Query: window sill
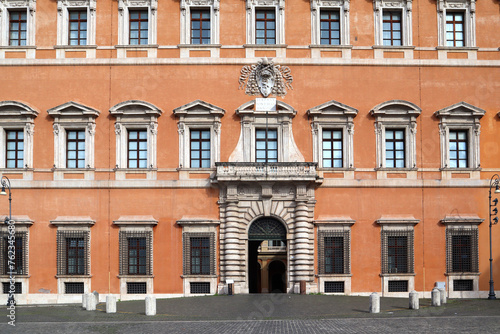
464	274
398	275
196	276
457	48
394	47
333	275
75	47
341	169
73	276
23	47
330	46
449	169
135	276
135	170
4	276
199	46
265	46
387	169
139	46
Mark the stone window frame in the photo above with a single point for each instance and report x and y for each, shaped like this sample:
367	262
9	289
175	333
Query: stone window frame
73	116
135	226
400	225
333	115
396	114
15	5
22	226
186	6
343	6
460	225
468	7
198	115
16	116
279	7
199	227
135	115
280	119
465	117
124	6
405	6
333	226
63	8
68	226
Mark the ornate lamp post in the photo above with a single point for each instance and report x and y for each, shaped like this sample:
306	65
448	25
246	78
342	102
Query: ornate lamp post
494	182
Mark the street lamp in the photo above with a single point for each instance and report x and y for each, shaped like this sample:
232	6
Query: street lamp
6	183
494	182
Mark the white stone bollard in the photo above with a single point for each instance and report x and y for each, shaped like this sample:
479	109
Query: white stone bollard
96	294
110	304
374	303
150	305
442	295
414	302
436	297
84	300
91	302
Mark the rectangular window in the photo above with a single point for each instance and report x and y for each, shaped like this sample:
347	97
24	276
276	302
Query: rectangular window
77	27
75	250
74	287
137	257
200	148
266	145
334	255
265	26
75	149
330	27
138	27
455	29
462	253
16	265
136	288
17	28
332	149
136	252
199	287
397	251
15	149
200	26
458	149
18	287
200	255
392	31
398	286
395	148
137	149
397	254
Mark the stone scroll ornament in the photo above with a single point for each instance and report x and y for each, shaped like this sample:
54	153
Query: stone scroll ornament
265	78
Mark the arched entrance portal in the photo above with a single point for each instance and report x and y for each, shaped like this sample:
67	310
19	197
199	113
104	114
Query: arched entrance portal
267	256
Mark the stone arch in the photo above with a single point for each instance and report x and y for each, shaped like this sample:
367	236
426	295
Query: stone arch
264	228
275	209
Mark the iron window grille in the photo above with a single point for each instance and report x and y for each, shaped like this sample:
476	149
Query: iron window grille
74	288
455	32
266	145
397	252
137	149
332	149
398	286
330	27
334	250
463	285
73	252
17	27
458	149
75	149
20	266
199	253
395	148
392	28
14	157
77	25
200	148
265	26
18	288
462	251
136	288
138	25
334	287
136	252
200	26
199	287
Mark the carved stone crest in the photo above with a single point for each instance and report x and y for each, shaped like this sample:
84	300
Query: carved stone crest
265	78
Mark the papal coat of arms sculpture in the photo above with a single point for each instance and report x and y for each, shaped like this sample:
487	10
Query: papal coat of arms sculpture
266	78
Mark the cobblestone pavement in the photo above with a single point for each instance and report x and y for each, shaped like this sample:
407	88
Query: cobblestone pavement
262	314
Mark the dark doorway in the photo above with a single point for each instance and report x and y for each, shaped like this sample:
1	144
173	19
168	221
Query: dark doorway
277	277
266	246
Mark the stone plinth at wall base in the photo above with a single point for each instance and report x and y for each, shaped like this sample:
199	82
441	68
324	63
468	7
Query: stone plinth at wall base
110	304
150	305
